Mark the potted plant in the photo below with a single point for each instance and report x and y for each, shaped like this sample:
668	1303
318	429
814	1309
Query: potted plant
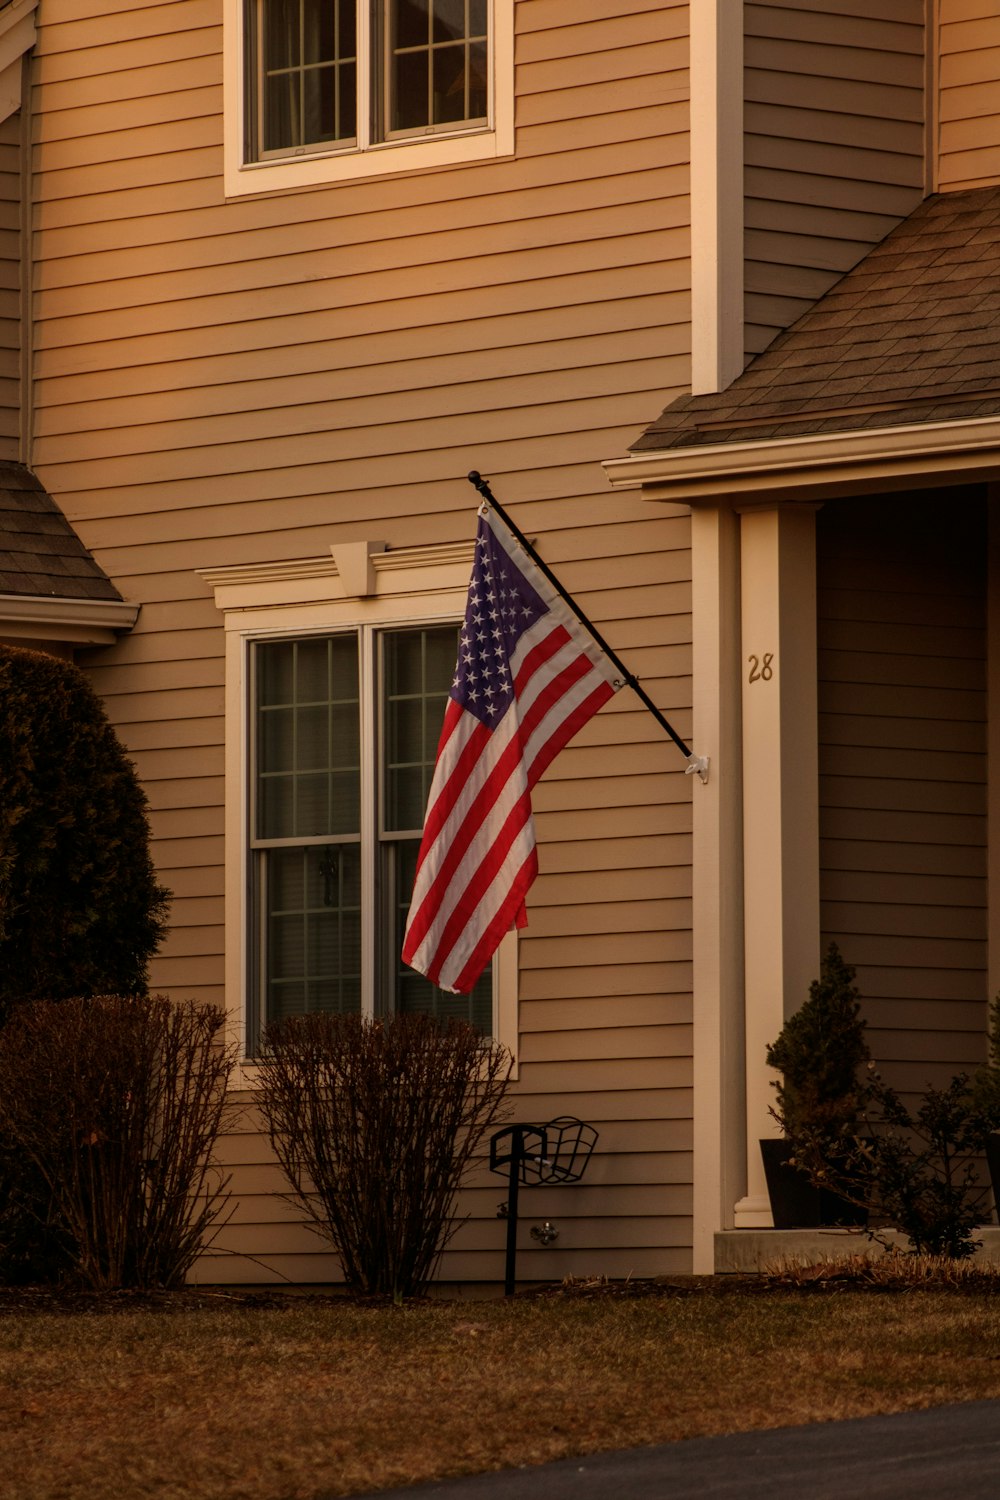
986	1099
819	1101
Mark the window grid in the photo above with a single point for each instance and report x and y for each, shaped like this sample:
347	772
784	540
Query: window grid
439	80
310	902
332	74
306	101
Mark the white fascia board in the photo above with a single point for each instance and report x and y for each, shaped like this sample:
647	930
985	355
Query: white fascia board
80	622
853	459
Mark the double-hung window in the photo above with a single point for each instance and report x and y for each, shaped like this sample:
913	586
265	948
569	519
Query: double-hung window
337	673
331	88
345	731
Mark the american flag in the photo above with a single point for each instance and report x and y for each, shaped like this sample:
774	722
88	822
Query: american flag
529	675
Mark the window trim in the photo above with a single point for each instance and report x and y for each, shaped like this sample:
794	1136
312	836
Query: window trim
313	167
409	586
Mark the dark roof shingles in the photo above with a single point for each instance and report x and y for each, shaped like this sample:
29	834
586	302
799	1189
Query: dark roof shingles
898	340
40	553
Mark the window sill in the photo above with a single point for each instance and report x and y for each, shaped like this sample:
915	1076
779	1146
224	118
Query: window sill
317	169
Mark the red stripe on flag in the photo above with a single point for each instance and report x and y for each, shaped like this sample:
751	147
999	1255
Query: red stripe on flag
565	731
503	921
473	892
473	819
468	758
492	788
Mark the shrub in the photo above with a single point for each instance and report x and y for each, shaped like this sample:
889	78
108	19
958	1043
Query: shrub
80	910
115	1103
375	1124
923	1164
819	1054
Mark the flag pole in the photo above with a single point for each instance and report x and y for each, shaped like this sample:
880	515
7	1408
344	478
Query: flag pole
697	764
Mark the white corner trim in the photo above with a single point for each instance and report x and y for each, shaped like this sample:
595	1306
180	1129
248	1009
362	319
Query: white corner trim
716	194
81	622
862	456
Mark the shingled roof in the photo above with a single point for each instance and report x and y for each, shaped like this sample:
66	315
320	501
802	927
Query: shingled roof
911	335
40	553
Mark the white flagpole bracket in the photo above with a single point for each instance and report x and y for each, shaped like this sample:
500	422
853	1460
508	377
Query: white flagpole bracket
697	766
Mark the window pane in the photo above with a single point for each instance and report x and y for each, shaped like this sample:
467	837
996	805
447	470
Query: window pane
313	930
410	23
415	693
282	36
276	746
281	112
437	62
412	993
450	84
410	104
307	747
440	655
312	670
308	72
347	101
449	20
478	75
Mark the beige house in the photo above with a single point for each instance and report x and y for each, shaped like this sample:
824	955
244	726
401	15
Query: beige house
275	277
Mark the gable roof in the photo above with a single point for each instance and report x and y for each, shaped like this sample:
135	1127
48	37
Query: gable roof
40	553
910	336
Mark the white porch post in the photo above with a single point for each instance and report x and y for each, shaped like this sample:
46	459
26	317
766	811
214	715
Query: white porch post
780	801
719	1052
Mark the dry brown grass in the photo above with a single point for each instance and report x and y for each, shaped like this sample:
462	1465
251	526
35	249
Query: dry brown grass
226	1400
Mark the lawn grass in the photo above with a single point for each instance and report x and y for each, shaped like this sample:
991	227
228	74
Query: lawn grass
308	1398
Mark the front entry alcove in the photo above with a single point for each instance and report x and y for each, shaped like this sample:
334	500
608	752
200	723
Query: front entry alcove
907	667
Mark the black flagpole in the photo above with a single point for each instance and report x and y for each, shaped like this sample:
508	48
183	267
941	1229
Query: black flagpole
697	765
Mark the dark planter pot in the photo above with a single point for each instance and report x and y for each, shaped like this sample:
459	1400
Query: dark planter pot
993	1162
795	1202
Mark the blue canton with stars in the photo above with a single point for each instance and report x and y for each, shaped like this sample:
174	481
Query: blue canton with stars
502	605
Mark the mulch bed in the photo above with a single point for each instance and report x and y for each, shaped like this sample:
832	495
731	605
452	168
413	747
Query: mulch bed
26	1301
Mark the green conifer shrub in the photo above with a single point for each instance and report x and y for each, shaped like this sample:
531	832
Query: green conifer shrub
81	912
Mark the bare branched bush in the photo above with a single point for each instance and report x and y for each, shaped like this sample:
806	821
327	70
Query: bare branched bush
375	1123
116	1103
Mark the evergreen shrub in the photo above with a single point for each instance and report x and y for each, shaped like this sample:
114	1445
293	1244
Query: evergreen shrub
81	912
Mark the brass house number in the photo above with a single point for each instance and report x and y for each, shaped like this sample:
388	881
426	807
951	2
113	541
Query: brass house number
760	667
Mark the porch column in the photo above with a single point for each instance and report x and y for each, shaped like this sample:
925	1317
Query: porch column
719	1050
780	801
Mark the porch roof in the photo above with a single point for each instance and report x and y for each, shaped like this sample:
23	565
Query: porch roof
909	337
41	555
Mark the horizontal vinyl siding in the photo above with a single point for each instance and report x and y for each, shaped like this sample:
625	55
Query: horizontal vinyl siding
902	700
10	286
968	94
833	145
233	382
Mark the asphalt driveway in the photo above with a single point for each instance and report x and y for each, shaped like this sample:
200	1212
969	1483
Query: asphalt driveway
942	1454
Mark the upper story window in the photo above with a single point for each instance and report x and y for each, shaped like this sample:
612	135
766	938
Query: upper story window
322	90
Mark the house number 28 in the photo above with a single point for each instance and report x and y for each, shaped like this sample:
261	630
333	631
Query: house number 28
760	667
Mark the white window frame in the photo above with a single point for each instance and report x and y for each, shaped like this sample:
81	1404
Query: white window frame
356	585
366	158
